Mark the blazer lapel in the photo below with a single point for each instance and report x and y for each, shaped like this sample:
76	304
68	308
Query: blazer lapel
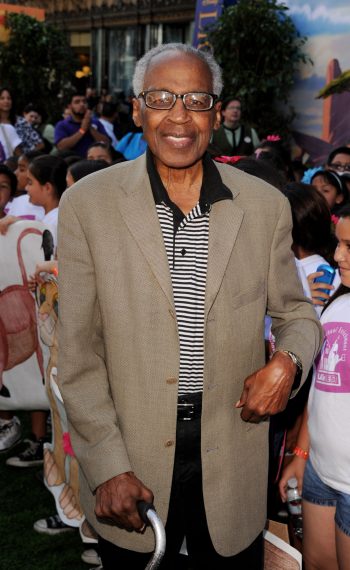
139	213
225	221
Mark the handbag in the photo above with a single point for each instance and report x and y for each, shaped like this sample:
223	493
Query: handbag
23	357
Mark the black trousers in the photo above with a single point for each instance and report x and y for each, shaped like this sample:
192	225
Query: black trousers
186	518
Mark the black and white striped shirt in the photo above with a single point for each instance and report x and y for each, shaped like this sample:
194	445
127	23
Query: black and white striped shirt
186	239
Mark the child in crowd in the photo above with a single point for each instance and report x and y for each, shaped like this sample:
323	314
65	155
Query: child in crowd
100	151
20	206
322	454
46	182
82	168
45	186
333	188
8	188
313	242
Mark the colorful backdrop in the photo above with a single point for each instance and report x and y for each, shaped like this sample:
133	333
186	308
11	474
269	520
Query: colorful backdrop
321	124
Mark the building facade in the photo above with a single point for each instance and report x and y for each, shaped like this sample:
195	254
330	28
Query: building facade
110	35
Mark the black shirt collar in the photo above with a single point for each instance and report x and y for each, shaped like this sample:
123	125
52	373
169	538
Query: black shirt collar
213	189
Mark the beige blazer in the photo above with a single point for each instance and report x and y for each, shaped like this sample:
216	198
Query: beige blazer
119	349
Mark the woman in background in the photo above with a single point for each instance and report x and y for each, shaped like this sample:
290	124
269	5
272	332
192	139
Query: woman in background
29	138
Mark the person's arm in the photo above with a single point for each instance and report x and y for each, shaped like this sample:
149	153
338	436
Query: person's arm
98	132
6	222
266	392
319	297
44	267
18	150
39	146
294	325
70	142
297	466
83	379
63	142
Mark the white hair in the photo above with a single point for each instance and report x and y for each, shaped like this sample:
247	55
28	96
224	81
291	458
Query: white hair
143	64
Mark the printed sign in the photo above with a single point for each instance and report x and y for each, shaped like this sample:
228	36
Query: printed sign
332	365
207	12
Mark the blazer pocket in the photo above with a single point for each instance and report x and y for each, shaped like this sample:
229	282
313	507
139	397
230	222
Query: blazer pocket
249	296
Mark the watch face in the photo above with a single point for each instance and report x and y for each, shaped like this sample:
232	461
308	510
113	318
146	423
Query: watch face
94	126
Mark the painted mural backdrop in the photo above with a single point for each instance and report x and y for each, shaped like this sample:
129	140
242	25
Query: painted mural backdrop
321	125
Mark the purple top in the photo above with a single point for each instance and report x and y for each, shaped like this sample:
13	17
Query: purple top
69	127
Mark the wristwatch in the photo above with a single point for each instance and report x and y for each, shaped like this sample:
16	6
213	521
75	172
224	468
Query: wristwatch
299	366
294	358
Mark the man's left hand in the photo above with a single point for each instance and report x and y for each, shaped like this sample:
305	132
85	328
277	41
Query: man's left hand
266	391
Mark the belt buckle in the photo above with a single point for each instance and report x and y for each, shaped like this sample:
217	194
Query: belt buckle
186	407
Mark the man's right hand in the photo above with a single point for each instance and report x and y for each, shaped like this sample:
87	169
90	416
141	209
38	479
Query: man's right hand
117	498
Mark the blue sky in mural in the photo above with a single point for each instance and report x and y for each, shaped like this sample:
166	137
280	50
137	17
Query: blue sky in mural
315	17
327	26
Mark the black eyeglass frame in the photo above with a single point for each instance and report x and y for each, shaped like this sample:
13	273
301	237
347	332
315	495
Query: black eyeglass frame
179	96
341	167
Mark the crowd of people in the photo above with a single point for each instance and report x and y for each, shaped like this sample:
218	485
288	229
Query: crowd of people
205	296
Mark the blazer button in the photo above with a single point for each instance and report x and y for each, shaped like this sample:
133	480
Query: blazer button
171	380
169	443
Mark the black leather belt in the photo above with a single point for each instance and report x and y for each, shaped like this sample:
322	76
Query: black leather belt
189	407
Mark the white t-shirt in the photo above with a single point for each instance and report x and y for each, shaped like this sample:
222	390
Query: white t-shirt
51	220
21	207
329	400
9	139
307	266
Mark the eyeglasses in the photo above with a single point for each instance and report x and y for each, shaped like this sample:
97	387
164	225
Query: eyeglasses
341	167
165	100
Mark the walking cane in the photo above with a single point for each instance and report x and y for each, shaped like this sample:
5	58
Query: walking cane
149	516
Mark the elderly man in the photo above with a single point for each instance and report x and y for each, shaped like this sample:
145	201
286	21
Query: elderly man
168	265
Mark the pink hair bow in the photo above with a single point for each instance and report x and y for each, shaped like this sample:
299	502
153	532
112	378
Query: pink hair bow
228	159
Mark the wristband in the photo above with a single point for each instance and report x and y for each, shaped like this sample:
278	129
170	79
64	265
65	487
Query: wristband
81	131
300	452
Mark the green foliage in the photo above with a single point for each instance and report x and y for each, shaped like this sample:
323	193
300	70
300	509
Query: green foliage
336	86
259	49
36	62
